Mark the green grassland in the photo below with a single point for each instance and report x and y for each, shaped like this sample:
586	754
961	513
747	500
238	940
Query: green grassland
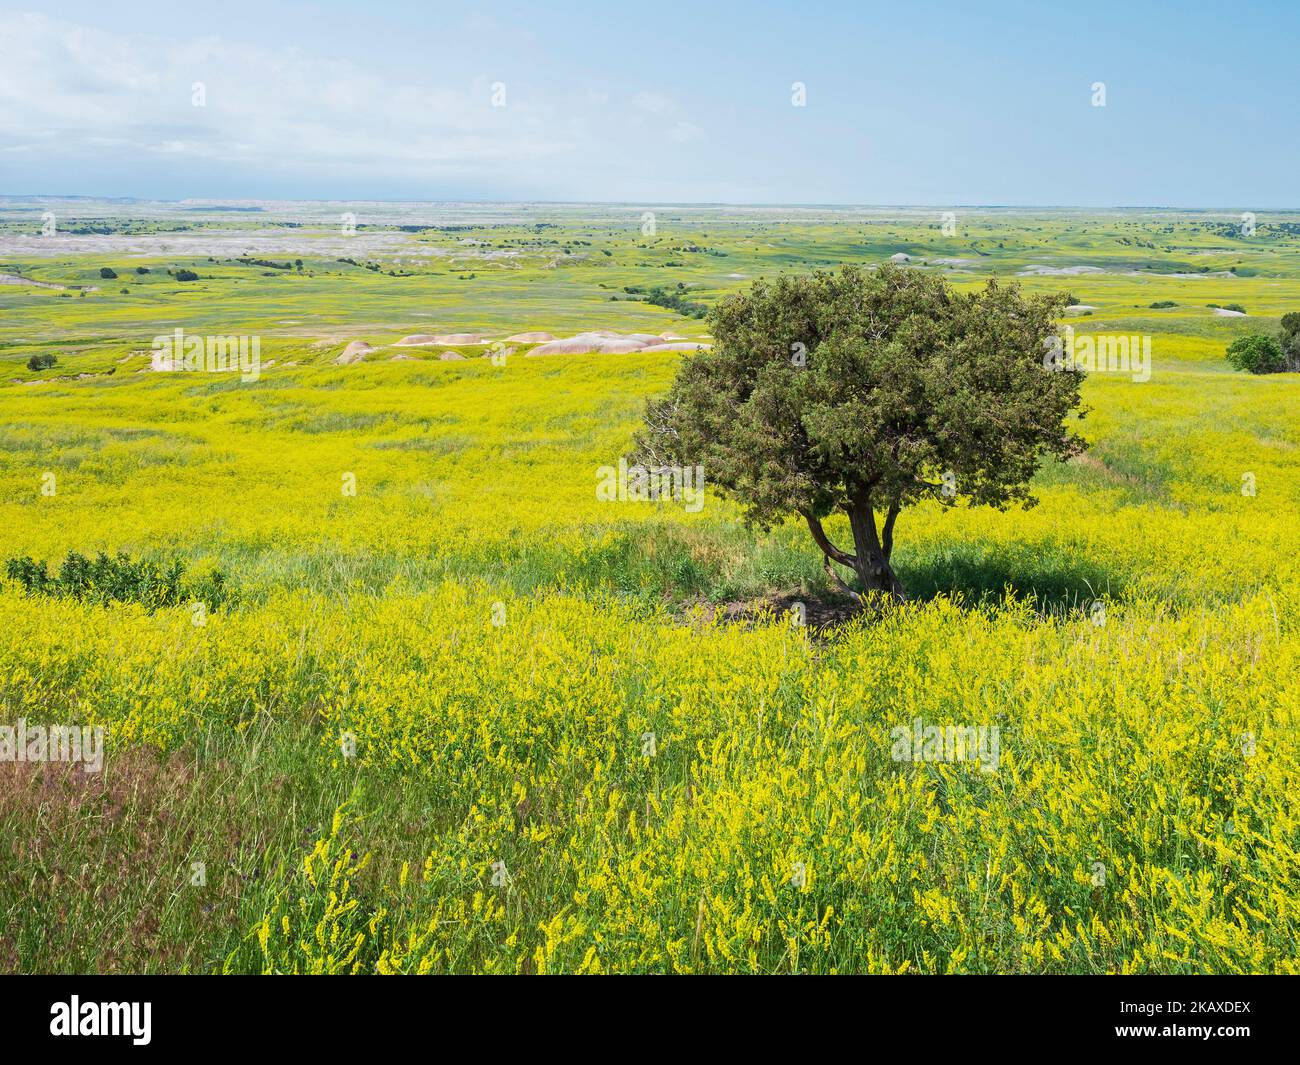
573	274
497	641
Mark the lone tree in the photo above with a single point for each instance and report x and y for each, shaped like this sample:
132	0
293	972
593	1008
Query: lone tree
866	392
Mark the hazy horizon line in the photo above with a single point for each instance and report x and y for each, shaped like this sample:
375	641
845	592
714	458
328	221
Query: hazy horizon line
202	200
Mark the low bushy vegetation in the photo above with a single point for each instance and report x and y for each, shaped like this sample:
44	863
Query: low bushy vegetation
1256	353
119	579
674	299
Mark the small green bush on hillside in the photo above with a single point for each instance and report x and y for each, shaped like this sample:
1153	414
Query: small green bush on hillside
1256	353
121	579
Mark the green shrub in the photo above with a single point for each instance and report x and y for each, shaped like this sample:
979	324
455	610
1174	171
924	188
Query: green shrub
121	579
670	299
1256	353
41	362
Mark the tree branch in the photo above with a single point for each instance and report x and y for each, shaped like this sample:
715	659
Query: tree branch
823	541
830	572
887	532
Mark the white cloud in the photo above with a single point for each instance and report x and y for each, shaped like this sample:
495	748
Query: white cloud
85	93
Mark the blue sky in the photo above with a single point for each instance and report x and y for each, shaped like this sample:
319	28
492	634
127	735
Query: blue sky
919	103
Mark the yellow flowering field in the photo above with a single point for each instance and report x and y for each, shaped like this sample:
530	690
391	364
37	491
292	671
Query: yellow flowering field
458	714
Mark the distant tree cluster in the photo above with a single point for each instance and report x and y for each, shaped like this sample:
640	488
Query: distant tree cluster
269	263
673	299
41	362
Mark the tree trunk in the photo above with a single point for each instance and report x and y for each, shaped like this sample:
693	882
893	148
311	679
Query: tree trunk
872	550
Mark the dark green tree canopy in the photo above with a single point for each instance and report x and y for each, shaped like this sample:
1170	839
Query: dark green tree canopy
1257	353
866	391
